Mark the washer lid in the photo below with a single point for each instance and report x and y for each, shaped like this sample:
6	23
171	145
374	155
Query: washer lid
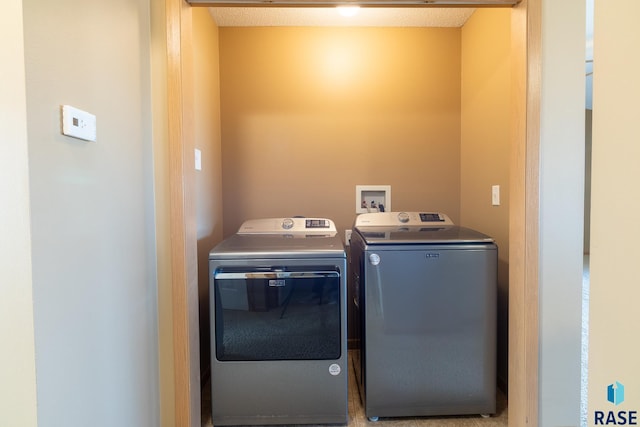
447	234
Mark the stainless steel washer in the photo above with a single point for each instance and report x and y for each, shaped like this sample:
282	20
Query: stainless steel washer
426	300
278	316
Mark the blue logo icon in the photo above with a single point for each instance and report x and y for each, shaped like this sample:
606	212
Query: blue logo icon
615	393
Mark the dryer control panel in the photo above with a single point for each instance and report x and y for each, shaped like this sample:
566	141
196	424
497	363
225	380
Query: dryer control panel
382	219
295	225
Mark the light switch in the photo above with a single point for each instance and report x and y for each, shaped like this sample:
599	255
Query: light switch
78	124
198	160
495	195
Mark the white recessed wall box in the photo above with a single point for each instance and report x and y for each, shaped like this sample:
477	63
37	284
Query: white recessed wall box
78	124
373	198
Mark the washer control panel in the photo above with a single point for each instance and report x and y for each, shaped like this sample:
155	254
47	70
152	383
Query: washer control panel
382	219
432	217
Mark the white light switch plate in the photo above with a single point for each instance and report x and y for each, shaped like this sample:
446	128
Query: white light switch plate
198	159
78	124
495	195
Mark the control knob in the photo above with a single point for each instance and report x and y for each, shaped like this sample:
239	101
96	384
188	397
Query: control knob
287	224
403	217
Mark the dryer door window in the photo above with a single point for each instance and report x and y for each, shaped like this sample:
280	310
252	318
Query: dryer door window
277	314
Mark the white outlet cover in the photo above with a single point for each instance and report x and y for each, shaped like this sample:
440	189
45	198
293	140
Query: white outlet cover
77	123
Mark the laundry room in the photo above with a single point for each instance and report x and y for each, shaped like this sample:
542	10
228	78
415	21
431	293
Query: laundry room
289	119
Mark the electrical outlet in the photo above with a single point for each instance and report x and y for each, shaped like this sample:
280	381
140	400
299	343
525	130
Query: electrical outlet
347	237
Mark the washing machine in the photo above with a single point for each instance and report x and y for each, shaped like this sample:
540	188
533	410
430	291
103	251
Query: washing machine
278	324
425	296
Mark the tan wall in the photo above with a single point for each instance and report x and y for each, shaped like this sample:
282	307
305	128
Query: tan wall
208	191
484	152
309	113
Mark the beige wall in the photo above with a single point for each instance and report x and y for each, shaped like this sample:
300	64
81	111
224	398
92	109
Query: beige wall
17	358
614	349
309	113
207	139
561	210
92	214
484	152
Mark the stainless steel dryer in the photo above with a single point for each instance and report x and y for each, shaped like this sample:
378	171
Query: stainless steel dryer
426	299
278	316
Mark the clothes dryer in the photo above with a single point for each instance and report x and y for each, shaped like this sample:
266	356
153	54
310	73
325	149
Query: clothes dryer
278	316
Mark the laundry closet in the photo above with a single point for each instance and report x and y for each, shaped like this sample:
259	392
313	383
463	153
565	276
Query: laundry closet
289	120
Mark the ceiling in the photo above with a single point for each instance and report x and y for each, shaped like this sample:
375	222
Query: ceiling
329	17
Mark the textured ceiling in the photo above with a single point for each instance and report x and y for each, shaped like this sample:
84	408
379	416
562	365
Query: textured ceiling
329	17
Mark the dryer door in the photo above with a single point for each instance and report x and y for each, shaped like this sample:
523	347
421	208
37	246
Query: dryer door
277	313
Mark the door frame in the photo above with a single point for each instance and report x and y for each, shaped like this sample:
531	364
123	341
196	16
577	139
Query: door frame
182	216
523	216
526	36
